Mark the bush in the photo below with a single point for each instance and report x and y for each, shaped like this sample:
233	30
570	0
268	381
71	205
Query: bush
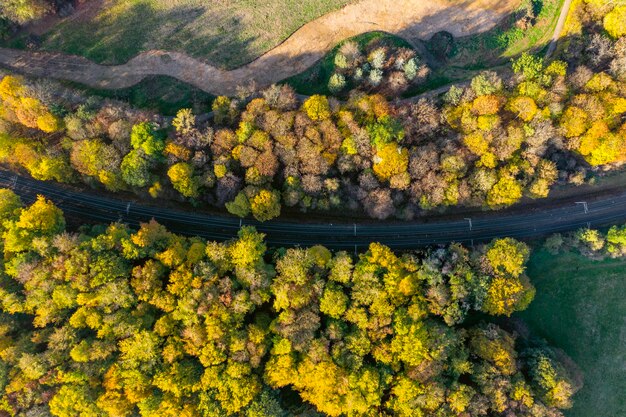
441	44
341	61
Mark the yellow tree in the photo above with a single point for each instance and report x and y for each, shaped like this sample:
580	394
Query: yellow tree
390	160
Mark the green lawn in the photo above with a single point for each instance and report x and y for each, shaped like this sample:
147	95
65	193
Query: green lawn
228	33
581	307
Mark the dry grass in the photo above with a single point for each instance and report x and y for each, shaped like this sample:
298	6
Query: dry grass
227	33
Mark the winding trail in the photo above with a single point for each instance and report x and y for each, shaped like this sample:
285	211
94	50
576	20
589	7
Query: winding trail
410	19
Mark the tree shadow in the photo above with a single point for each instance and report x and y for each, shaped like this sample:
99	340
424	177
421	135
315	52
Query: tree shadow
116	37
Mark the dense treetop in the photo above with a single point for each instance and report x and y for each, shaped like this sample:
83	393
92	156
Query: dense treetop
116	322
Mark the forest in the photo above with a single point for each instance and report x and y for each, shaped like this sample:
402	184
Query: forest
106	320
109	321
488	144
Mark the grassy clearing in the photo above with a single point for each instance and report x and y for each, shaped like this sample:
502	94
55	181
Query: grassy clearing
494	49
507	40
227	33
162	94
580	307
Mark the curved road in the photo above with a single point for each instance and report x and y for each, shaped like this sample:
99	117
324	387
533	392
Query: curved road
543	219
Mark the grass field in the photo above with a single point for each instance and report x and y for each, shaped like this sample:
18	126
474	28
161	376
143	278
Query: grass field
581	307
506	40
227	33
162	94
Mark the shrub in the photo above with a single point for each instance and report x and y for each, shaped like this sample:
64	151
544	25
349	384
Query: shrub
358	74
410	69
341	61
351	51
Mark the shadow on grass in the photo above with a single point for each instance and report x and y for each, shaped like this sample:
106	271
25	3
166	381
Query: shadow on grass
118	37
163	94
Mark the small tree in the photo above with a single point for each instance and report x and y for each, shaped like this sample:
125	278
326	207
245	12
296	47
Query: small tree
336	83
184	122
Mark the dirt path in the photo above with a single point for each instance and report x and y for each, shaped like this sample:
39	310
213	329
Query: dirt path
411	19
559	28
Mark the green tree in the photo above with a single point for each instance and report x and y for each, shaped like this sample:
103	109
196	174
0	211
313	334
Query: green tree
147	137
135	168
530	66
265	205
240	206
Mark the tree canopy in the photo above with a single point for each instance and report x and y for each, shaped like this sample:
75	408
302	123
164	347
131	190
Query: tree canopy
119	322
